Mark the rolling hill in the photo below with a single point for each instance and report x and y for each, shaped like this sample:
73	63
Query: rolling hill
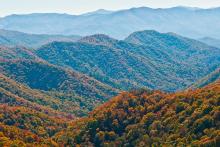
66	90
120	24
150	59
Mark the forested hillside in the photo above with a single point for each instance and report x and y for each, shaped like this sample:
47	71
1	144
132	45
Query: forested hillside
136	118
150	118
83	74
66	90
45	91
28	116
12	53
134	77
43	76
144	59
210	78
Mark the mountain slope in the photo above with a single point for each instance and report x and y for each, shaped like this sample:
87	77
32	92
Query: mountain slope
65	90
13	38
150	118
168	61
120	24
28	116
13	136
71	88
17	94
173	44
135	118
212	77
34	74
17	53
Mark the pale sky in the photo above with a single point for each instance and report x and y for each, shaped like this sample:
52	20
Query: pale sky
8	7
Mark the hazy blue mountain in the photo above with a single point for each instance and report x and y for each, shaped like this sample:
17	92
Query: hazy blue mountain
100	11
144	59
190	22
14	38
211	41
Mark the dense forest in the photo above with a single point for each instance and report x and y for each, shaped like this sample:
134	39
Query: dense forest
210	78
164	61
151	118
136	118
84	74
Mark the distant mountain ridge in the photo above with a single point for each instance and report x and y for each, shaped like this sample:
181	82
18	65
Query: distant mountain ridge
14	38
120	24
211	41
99	11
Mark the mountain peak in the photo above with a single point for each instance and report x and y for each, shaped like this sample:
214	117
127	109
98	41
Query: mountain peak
184	8
98	39
99	11
136	37
144	32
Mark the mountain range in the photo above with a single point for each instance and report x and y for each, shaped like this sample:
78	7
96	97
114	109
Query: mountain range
186	21
85	73
149	59
58	90
144	59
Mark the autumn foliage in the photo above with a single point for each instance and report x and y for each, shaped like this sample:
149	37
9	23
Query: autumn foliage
142	117
150	118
